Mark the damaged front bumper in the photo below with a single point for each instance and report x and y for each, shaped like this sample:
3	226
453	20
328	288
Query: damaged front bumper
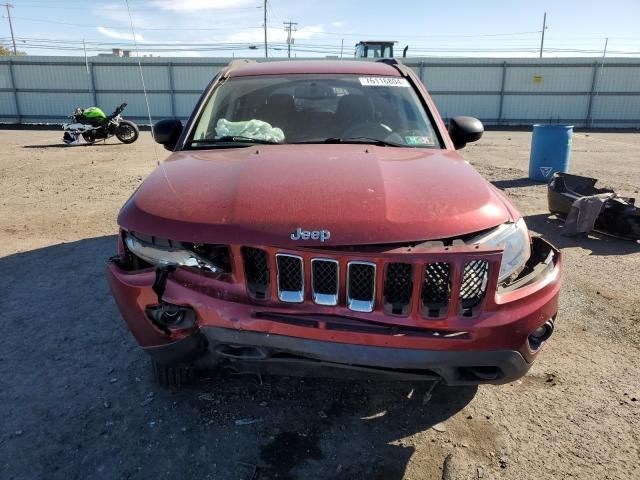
259	352
618	216
185	317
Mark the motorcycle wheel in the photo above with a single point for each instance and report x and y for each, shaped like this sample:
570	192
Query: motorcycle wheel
127	132
70	138
89	137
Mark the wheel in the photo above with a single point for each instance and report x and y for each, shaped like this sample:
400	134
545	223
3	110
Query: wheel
172	375
127	132
70	138
89	137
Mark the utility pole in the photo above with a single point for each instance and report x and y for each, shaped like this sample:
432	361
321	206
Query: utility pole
596	83
604	52
544	27
266	54
86	60
341	48
289	28
13	39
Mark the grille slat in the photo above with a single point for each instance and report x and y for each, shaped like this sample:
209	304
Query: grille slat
290	278
473	285
436	288
398	287
361	286
325	283
256	271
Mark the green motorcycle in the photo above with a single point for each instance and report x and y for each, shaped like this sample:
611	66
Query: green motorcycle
92	124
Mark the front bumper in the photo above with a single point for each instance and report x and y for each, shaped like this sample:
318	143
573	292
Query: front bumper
230	331
278	354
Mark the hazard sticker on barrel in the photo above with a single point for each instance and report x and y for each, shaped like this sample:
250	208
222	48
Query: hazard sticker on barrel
545	171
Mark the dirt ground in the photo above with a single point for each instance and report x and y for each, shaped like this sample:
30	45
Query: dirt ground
77	401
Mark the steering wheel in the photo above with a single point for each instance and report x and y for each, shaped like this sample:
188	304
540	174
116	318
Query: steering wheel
372	130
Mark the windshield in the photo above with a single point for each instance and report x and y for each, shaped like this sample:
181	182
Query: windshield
315	109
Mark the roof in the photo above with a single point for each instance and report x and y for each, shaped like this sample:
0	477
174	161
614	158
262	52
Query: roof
314	66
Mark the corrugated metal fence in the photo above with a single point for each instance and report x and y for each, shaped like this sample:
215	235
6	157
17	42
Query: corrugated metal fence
583	92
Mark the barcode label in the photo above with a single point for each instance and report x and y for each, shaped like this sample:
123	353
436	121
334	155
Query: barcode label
383	82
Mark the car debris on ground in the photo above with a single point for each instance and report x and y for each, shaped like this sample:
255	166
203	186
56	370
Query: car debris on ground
586	208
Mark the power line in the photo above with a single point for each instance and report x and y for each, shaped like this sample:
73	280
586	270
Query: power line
589	46
319	44
273	12
96	46
360	34
268	7
143	6
185	28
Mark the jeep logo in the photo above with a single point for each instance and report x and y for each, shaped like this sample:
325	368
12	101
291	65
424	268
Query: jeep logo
321	235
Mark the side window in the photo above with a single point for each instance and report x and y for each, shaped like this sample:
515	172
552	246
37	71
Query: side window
373	52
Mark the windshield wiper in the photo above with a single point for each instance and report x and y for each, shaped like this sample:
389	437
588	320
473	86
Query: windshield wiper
234	139
354	140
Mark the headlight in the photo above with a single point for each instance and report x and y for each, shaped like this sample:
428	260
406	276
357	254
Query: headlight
164	256
517	246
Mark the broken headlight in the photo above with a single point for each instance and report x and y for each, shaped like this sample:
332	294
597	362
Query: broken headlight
517	246
167	253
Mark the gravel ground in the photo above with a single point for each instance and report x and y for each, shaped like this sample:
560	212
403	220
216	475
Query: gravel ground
77	401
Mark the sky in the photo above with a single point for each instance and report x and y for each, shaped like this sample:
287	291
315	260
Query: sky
206	28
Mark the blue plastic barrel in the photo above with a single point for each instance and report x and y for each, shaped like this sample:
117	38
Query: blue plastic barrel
550	151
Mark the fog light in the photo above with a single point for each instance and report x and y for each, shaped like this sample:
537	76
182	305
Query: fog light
171	315
167	316
540	331
540	335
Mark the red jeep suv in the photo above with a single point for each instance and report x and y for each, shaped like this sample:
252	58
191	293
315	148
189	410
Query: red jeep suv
315	217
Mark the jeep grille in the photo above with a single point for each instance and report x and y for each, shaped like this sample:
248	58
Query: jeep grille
449	284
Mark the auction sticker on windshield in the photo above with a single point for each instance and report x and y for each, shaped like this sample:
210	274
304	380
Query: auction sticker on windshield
383	82
419	140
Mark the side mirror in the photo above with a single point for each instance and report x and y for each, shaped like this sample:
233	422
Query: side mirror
463	130
167	132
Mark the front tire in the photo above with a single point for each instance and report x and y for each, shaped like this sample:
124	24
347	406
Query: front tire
89	137
172	375
127	132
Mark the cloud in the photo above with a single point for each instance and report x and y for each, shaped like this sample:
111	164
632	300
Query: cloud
337	24
118	14
276	35
309	31
118	35
197	5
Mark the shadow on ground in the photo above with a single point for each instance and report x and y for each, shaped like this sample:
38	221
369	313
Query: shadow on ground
515	183
77	402
98	143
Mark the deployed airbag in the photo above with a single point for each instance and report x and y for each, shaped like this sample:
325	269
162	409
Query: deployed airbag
252	129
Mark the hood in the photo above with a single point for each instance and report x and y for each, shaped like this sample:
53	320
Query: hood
361	194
